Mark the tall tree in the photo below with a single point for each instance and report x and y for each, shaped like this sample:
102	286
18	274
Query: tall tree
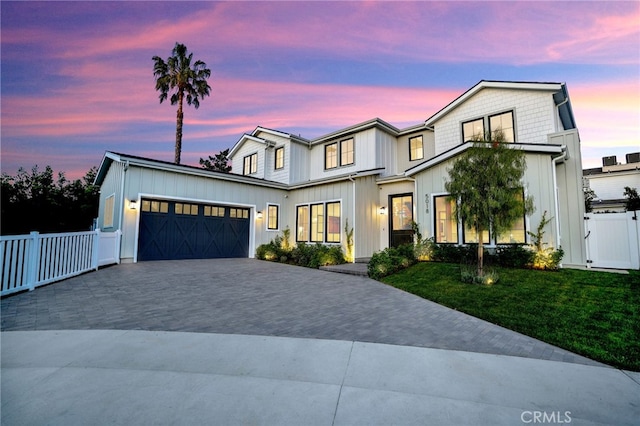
218	163
485	182
184	80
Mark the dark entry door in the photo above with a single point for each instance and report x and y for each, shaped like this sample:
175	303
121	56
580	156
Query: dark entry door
400	219
180	230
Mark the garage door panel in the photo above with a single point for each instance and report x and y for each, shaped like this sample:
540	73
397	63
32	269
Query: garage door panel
179	233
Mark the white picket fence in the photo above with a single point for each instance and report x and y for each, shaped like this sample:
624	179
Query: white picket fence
613	240
29	261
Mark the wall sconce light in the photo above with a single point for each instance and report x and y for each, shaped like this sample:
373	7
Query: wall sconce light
259	214
383	210
133	204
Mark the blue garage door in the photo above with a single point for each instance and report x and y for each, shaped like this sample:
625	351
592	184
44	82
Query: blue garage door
178	230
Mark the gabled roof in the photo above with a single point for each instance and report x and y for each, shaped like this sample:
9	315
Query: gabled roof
540	148
258	130
373	123
133	160
485	84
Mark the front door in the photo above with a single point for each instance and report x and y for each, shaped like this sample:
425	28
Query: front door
400	219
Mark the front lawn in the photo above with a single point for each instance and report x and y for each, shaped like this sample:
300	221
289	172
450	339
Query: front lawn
595	314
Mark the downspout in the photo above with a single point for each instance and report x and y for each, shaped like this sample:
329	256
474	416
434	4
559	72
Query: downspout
121	215
556	203
353	203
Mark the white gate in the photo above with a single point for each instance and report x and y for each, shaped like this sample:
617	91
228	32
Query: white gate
613	240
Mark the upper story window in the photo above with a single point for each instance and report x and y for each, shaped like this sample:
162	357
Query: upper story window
279	158
343	156
250	164
331	156
346	152
502	123
416	149
473	130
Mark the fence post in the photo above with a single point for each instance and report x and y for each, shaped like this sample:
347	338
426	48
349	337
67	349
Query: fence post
34	260
95	252
116	246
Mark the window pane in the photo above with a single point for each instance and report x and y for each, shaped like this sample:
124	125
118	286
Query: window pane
194	209
331	156
317	223
247	166
272	217
164	207
254	163
333	222
221	211
280	158
302	233
233	212
402	211
346	152
446	225
146	205
178	208
416	151
503	123
472	130
471	236
517	233
155	206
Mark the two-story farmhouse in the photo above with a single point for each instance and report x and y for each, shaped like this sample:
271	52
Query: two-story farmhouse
372	177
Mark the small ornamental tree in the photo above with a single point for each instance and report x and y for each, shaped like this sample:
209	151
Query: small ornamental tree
485	182
632	199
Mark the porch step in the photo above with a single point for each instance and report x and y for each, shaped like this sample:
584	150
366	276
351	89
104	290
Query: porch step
357	268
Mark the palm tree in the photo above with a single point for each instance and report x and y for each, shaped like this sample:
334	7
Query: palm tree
178	76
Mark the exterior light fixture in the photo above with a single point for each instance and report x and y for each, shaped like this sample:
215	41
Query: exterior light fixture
259	214
133	204
383	210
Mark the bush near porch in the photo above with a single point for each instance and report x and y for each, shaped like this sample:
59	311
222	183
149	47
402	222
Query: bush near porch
308	255
595	314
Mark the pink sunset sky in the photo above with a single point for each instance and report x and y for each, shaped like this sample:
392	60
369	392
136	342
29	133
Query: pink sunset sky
77	77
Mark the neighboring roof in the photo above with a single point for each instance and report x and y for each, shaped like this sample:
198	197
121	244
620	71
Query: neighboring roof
485	84
540	148
133	160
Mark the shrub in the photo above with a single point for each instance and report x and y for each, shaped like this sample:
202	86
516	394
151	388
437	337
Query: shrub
452	253
513	256
391	260
307	255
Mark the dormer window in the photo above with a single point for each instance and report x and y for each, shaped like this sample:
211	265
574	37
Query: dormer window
343	156
279	154
416	148
250	164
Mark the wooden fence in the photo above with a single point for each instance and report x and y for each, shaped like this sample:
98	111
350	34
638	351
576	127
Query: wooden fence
29	261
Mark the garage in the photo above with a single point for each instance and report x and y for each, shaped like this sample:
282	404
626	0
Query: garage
182	230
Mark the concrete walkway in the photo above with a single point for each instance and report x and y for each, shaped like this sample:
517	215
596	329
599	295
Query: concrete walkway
264	343
161	378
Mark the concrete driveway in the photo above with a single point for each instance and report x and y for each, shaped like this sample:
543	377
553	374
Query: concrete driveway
241	341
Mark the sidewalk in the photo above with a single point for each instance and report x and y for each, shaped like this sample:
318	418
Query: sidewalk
165	378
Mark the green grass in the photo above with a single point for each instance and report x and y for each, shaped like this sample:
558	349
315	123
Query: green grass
595	314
